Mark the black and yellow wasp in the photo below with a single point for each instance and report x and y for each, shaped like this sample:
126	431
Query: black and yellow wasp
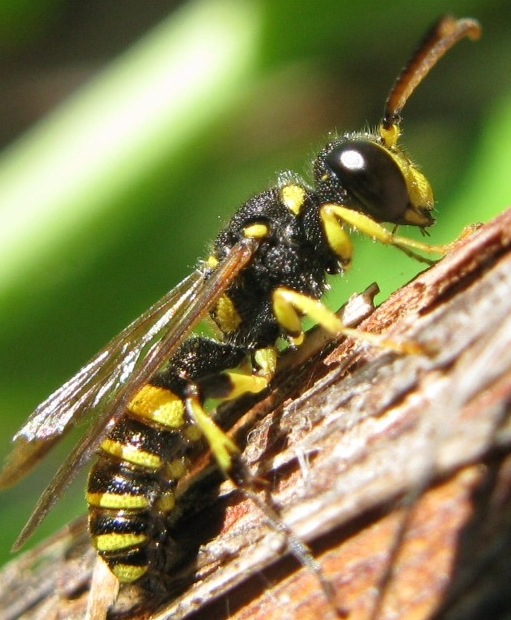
147	389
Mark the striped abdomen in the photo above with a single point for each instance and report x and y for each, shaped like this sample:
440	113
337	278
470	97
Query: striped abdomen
131	487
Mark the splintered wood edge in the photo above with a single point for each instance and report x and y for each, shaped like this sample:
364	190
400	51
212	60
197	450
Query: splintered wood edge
394	469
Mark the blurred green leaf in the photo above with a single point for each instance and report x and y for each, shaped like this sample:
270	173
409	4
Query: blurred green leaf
23	20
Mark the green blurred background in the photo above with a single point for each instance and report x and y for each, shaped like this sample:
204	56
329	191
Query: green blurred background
130	131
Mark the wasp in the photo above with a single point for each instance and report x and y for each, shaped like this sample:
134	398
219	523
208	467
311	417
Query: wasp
148	392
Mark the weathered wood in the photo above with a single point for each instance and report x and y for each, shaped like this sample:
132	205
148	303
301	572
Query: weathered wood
396	470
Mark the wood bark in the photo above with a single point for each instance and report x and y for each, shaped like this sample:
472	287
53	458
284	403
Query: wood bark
394	469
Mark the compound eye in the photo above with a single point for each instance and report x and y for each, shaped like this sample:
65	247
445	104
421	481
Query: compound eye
370	174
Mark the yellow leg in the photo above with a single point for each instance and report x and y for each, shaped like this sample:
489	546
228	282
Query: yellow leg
289	306
222	446
334	216
241	383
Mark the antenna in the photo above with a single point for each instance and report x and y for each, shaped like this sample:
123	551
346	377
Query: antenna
443	35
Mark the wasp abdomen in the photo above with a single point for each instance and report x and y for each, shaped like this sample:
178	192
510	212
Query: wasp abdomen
131	487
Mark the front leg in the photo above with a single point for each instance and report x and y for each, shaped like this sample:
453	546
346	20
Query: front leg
334	217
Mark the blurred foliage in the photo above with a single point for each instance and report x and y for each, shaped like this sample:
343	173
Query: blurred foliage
93	234
22	21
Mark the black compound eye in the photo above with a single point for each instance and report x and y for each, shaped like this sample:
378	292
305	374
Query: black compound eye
370	174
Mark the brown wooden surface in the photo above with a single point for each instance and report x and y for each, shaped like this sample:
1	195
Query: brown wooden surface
394	469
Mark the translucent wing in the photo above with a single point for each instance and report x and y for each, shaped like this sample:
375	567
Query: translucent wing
109	381
92	385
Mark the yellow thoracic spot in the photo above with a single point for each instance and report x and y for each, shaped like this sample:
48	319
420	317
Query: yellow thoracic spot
114	542
293	197
226	315
117	501
160	405
127	573
132	454
256	231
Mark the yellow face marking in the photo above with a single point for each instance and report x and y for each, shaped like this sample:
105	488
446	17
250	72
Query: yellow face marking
226	315
115	542
127	573
159	405
132	454
117	501
256	231
293	197
421	195
419	189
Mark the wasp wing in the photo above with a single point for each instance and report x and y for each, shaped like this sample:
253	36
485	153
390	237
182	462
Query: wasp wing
105	372
162	338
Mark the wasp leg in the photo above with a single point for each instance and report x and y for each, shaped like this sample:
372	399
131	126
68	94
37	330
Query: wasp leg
289	306
222	446
227	385
335	216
